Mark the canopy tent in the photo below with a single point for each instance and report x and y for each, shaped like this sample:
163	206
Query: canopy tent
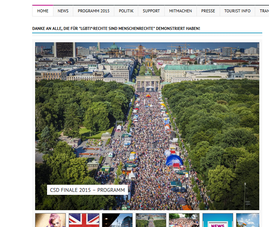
130	165
173	159
176	166
175	189
175	140
105	168
167	127
119	127
186	207
182	172
132	157
166	121
167	153
126	135
173	152
148	95
131	176
127	141
176	184
182	201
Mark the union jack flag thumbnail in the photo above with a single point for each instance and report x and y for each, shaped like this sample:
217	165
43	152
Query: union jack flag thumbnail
84	220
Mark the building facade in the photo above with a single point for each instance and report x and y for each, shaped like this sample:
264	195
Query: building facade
147	83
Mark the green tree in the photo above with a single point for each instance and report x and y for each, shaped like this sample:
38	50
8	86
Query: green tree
219	185
48	140
59	162
247	171
236	137
72	121
96	117
173	216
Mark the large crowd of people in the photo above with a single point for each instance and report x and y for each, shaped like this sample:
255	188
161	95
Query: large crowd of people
152	188
183	222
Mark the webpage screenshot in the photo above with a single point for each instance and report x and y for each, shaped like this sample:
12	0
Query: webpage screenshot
148	114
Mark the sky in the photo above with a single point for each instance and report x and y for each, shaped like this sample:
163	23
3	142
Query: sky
162	45
120	218
252	220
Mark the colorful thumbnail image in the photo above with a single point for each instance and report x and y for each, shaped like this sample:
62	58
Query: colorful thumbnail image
117	220
150	220
247	220
83	219
184	220
218	220
50	220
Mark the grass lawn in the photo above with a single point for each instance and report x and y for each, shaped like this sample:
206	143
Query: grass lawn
86	132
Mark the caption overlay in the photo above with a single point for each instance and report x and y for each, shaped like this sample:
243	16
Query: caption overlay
87	189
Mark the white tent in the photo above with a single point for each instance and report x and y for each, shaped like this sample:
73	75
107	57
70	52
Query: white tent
131	176
175	140
167	153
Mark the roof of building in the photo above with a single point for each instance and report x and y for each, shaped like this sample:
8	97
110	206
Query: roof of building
114	47
196	67
229	60
193	56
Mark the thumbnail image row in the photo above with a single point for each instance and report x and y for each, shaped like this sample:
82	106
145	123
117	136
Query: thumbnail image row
146	220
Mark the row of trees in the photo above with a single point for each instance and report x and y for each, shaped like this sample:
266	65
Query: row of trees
62	167
188	215
219	121
142	223
159	223
142	70
70	105
156	71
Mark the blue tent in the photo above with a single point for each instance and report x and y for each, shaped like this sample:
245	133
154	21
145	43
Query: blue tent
173	159
166	122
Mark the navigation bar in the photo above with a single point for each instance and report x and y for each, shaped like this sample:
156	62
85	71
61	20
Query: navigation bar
150	11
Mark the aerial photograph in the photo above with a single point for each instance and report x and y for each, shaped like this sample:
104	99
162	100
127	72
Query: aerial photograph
151	220
177	122
184	220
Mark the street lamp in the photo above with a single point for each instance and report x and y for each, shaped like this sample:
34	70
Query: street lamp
244	195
